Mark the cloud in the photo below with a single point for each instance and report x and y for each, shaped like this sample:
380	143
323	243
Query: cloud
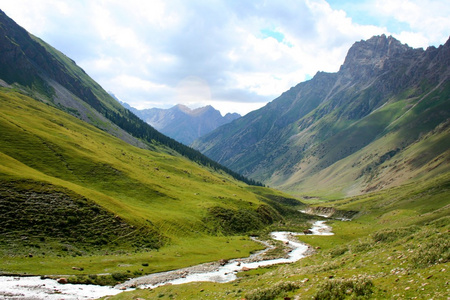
427	20
235	55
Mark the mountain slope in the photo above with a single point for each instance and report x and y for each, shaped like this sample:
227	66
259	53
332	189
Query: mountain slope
71	190
84	181
337	133
39	70
182	123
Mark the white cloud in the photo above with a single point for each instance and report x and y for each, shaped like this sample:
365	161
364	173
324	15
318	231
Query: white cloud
428	20
34	15
241	54
228	106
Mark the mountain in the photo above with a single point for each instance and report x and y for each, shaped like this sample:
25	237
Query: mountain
92	192
46	74
52	77
86	187
182	123
381	120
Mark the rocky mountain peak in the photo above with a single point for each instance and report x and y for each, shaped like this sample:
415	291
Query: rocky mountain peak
206	110
182	108
373	52
385	91
197	111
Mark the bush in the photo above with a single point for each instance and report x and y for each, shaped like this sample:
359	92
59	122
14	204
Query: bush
119	276
441	222
272	292
391	235
361	247
434	252
93	279
337	289
231	221
267	214
338	251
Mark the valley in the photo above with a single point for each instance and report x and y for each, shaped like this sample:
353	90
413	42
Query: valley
71	204
223	271
93	194
397	246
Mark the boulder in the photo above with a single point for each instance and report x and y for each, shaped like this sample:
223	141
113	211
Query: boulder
62	280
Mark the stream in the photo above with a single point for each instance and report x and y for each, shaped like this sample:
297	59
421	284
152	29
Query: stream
33	287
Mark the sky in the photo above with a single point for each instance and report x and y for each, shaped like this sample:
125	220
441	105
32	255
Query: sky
235	55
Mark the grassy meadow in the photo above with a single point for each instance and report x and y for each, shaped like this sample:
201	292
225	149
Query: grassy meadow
396	247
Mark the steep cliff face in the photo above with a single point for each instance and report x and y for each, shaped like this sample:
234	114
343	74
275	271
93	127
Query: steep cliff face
336	131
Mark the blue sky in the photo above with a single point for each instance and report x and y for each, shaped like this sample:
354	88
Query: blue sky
234	55
361	13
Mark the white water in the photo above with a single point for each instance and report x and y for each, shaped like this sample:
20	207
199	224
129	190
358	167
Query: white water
228	272
48	289
36	288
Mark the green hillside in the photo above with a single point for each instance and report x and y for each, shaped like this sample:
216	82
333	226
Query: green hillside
71	193
407	139
396	247
37	69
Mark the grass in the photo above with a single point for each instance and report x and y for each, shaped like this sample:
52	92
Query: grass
396	247
79	193
177	255
359	287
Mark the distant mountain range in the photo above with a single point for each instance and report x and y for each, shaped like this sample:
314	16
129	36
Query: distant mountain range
381	120
182	123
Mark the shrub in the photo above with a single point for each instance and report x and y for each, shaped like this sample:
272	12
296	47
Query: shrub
272	292
360	287
119	276
433	252
441	222
361	247
231	221
92	279
338	251
267	214
391	235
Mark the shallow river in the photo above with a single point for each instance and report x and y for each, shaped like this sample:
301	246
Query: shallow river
48	289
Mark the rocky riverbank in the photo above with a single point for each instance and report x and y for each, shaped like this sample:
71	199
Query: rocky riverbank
12	287
225	271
